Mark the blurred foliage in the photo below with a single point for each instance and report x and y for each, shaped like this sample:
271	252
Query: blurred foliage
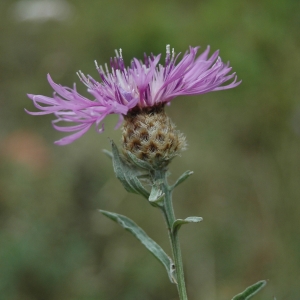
243	147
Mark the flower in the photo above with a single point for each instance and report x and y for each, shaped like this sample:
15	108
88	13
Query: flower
140	86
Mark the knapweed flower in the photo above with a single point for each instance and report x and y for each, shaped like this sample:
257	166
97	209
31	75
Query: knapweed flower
143	87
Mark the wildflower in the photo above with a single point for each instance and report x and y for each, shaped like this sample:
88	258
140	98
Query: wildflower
139	90
123	90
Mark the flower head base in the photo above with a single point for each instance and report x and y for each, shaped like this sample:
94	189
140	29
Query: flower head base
150	135
123	90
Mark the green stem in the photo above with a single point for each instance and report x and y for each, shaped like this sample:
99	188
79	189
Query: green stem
168	212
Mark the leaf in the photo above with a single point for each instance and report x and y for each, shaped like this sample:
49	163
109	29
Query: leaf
250	291
179	222
127	175
108	153
182	178
141	235
156	196
138	162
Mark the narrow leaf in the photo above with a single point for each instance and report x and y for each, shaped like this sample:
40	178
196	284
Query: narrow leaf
250	291
179	222
141	235
108	153
127	175
139	187
138	162
119	168
182	178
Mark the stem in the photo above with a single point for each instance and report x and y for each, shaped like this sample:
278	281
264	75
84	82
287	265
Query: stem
168	212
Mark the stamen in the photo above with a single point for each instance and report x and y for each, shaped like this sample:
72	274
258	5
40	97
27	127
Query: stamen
83	78
102	74
97	67
92	80
167	55
168	50
146	60
81	75
121	62
106	68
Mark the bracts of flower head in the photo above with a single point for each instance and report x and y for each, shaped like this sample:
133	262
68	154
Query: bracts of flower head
142	86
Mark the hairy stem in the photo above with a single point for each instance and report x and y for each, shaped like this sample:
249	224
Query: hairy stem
168	212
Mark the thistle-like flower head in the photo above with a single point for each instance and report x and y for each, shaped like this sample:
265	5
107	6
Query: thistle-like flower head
140	86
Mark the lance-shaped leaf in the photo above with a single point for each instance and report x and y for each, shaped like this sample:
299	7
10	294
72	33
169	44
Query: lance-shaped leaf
137	172
250	291
127	174
179	222
182	178
138	162
108	153
141	235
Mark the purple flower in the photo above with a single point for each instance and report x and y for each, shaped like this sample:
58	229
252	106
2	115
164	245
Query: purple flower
140	85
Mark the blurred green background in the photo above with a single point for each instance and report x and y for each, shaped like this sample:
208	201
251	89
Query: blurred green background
243	147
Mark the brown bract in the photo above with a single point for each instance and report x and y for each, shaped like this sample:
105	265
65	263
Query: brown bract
151	136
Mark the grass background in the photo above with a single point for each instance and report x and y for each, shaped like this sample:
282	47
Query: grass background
243	147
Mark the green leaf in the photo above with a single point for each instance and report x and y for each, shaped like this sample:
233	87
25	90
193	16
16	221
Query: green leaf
127	174
182	178
250	291
156	196
138	162
141	235
179	222
108	153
